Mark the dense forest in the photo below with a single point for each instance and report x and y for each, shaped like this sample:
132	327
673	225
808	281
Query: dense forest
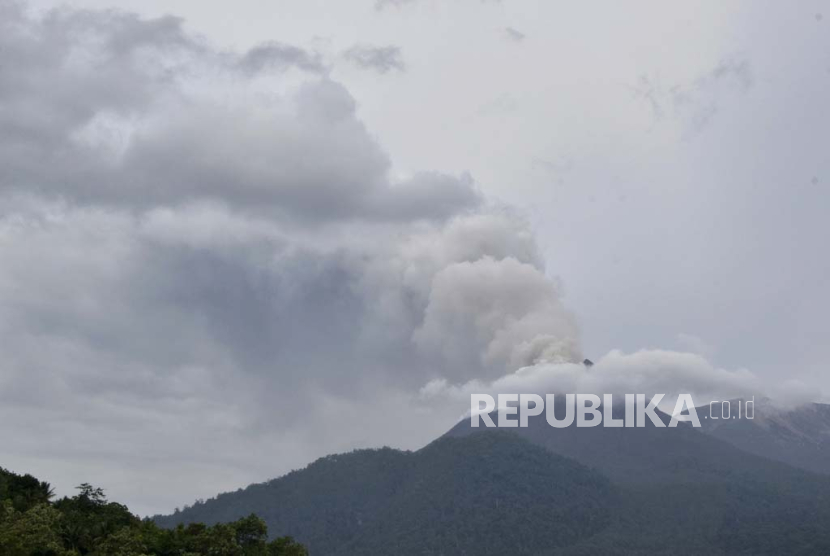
486	494
32	524
494	493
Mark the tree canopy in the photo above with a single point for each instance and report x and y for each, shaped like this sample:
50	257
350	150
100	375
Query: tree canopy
31	524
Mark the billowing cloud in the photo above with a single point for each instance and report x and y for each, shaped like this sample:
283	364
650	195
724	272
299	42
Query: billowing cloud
381	59
505	312
109	108
276	56
205	245
648	372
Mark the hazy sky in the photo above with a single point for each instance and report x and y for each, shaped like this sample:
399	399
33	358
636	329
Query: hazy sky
242	239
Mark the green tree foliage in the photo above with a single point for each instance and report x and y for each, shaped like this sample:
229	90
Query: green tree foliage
24	491
88	524
89	518
127	541
35	532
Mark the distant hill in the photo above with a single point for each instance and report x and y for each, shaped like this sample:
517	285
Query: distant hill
799	436
532	491
689	490
486	494
650	454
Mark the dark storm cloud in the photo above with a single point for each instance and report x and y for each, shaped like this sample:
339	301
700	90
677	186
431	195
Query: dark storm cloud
203	248
80	81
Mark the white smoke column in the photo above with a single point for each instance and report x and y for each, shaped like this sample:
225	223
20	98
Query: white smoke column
505	312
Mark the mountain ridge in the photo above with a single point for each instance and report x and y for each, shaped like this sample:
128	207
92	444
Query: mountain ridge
465	494
798	436
540	490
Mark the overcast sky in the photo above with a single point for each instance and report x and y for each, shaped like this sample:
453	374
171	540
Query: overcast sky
245	236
